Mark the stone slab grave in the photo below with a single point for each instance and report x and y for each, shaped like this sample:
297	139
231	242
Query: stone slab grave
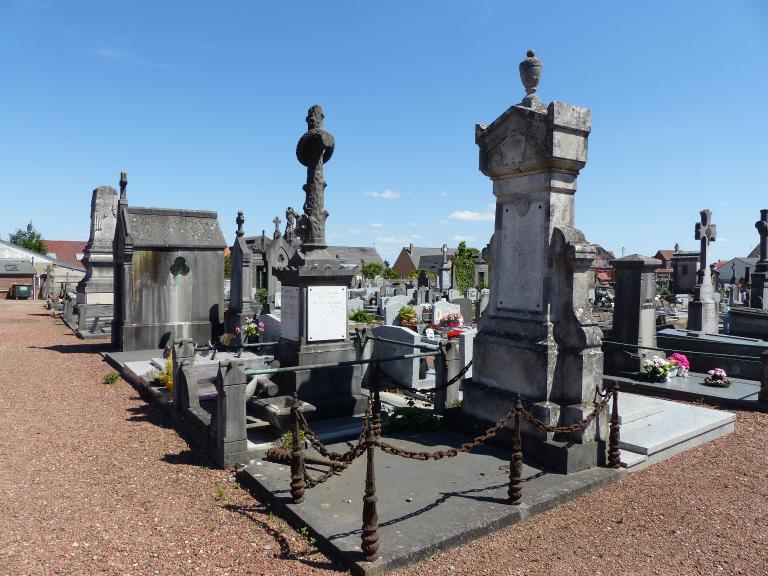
392	306
403	372
442	308
467	309
423	507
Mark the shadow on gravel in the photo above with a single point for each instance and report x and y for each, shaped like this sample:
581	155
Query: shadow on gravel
77	348
149	413
255	512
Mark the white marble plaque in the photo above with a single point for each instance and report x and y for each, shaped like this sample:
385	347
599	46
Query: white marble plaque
326	313
289	318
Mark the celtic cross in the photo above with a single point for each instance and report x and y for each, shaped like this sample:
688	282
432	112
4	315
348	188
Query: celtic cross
705	232
276	222
762	229
314	150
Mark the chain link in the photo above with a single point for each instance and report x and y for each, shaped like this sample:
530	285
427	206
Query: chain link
571	428
450	382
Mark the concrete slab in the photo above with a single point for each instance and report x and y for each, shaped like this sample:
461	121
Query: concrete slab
633	408
423	507
741	393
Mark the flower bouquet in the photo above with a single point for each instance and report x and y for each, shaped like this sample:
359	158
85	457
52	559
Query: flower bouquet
717	378
454	333
454	319
407	317
680	363
251	330
656	369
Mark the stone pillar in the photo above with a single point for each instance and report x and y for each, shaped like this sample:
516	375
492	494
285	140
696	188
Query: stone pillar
702	311
537	337
758	297
241	282
634	314
183	352
231	433
446	367
97	286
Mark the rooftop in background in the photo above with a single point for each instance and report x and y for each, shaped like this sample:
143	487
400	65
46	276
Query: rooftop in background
15	252
66	251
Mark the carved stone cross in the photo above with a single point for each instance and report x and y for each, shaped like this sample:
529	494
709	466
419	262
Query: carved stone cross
762	229
276	222
240	221
706	232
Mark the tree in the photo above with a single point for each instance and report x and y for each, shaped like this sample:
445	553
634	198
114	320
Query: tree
371	269
227	266
464	266
391	274
30	239
415	274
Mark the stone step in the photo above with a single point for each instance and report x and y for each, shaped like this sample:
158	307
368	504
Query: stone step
676	428
632	459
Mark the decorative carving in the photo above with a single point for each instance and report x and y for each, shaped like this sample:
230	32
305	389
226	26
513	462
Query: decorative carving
530	74
276	222
314	149
240	221
762	229
179	267
290	219
706	232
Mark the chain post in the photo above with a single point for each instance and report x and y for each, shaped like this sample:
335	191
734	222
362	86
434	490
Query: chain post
516	461
297	455
614	438
376	405
370	535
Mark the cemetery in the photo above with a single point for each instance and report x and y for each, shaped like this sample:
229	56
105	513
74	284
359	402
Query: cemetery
388	415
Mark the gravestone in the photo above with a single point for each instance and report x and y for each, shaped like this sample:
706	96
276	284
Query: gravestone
49	289
423	280
389	291
752	321
392	307
400	289
453	294
403	372
271	327
466	309
442	308
169	276
241	283
314	297
95	292
537	337
472	294
634	314
444	276
421	295
466	349
355	304
702	311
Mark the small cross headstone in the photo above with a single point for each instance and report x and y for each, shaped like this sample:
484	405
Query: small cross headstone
705	232
276	222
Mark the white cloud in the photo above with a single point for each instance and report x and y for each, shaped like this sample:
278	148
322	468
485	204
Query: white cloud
377	224
393	239
354	231
469	216
386	195
462	238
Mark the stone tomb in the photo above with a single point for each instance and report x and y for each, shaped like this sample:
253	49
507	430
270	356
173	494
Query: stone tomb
442	308
402	372
169	276
467	309
95	292
537	338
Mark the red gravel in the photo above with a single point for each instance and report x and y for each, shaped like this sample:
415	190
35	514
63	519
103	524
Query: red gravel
94	481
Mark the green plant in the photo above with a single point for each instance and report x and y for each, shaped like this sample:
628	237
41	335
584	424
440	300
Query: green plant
227	266
454	404
391	274
165	378
219	496
263	295
286	440
360	315
371	270
30	239
111	378
464	266
407	315
409	419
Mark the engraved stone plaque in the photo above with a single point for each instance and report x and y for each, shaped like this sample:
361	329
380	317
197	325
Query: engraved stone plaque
289	319
326	313
522	243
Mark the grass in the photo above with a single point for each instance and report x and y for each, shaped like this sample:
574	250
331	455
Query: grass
111	378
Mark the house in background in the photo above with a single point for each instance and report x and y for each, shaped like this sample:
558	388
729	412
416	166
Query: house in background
412	258
69	271
663	273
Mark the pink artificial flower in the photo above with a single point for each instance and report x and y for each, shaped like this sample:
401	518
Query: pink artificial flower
680	360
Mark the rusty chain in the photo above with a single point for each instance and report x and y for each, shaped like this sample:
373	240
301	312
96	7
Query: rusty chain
575	427
438	388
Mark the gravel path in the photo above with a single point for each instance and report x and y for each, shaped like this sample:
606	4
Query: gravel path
94	481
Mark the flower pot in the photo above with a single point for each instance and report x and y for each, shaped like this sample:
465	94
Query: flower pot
410	326
454	324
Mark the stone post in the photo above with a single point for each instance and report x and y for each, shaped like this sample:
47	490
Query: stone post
447	366
231	435
634	315
183	354
537	337
242	278
702	311
759	295
763	394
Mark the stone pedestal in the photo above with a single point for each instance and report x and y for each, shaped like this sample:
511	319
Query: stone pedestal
241	284
95	292
634	315
537	337
314	331
702	311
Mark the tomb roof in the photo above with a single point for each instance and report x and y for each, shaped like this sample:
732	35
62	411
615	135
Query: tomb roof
162	227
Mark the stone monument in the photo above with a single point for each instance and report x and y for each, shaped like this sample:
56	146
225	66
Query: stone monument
444	277
702	311
537	337
240	302
634	313
314	296
169	276
752	321
95	292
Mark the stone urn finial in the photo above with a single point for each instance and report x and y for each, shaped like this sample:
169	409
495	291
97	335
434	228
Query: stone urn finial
530	74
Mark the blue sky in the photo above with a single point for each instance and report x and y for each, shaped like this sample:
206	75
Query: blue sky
202	104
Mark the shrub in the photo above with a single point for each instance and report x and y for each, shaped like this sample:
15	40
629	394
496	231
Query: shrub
407	315
360	315
111	378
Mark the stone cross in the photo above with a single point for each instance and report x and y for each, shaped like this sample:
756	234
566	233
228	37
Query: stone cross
240	221
706	232
314	150
762	229
123	185
276	222
444	250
